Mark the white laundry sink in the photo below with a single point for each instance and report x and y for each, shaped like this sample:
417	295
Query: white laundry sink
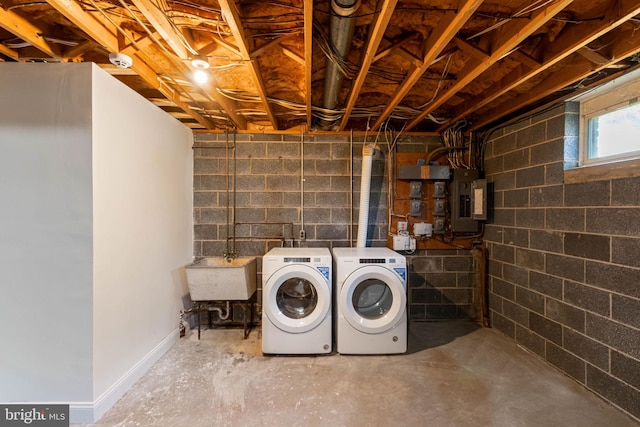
219	279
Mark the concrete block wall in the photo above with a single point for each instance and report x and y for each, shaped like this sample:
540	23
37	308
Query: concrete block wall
564	259
269	210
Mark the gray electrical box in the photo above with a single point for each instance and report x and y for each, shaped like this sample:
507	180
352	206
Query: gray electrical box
462	219
423	172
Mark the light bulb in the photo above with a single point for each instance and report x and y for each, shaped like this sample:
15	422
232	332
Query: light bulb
200	76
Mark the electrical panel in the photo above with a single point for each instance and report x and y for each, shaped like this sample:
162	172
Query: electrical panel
461	201
434	206
479	199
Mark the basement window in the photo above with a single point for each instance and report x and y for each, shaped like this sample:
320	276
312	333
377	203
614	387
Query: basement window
610	122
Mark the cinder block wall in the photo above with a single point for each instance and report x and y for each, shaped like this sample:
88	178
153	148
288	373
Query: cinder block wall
564	267
269	210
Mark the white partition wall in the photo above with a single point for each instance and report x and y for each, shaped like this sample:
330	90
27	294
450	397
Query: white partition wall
95	226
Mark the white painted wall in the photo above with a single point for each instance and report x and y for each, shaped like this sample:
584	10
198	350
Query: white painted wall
143	228
95	227
46	270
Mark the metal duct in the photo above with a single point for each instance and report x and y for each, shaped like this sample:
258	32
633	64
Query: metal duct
341	27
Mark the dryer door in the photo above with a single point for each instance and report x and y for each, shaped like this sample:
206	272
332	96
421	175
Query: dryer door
296	298
372	299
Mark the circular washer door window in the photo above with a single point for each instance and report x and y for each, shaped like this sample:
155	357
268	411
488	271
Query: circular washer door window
296	298
373	299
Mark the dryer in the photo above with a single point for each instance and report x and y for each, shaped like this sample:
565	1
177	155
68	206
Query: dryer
297	301
370	301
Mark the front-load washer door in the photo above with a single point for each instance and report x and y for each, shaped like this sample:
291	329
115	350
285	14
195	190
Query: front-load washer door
372	299
297	298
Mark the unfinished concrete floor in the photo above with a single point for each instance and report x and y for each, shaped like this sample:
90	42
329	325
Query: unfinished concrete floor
454	374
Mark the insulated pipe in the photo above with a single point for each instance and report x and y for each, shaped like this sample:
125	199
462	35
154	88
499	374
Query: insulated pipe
365	190
341	27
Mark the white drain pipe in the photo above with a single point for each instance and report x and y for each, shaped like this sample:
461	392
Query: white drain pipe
365	190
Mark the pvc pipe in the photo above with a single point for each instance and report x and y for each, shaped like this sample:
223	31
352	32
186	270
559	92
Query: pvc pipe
365	189
222	314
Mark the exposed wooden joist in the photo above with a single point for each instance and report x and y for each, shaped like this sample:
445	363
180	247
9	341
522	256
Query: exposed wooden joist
500	42
377	32
219	42
572	40
472	50
232	17
593	55
107	38
160	22
75	53
625	44
308	56
440	37
156	16
257	52
9	52
525	59
28	32
291	54
394	45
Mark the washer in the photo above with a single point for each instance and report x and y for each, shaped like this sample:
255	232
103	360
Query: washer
371	301
296	301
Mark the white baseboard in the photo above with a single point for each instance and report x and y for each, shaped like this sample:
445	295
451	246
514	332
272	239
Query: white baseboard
90	412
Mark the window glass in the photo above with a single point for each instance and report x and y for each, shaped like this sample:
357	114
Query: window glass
614	133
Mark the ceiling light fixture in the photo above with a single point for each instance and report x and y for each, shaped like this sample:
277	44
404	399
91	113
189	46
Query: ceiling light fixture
200	62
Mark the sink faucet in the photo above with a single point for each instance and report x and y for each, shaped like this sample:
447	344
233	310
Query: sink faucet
230	256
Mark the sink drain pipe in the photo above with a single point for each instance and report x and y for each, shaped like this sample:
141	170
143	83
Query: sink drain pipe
223	314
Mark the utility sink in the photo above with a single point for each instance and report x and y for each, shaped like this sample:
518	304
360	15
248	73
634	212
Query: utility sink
221	279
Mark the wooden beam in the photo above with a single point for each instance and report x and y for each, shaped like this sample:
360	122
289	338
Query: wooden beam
438	40
257	52
625	44
160	22
396	44
525	59
469	48
291	54
9	52
502	41
28	32
75	53
231	15
107	38
592	56
102	32
308	57
375	37
570	41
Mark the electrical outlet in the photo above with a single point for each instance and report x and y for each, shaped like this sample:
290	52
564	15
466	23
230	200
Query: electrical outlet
438	226
303	235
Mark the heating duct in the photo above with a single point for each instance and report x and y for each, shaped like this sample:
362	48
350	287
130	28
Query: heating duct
341	26
365	190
